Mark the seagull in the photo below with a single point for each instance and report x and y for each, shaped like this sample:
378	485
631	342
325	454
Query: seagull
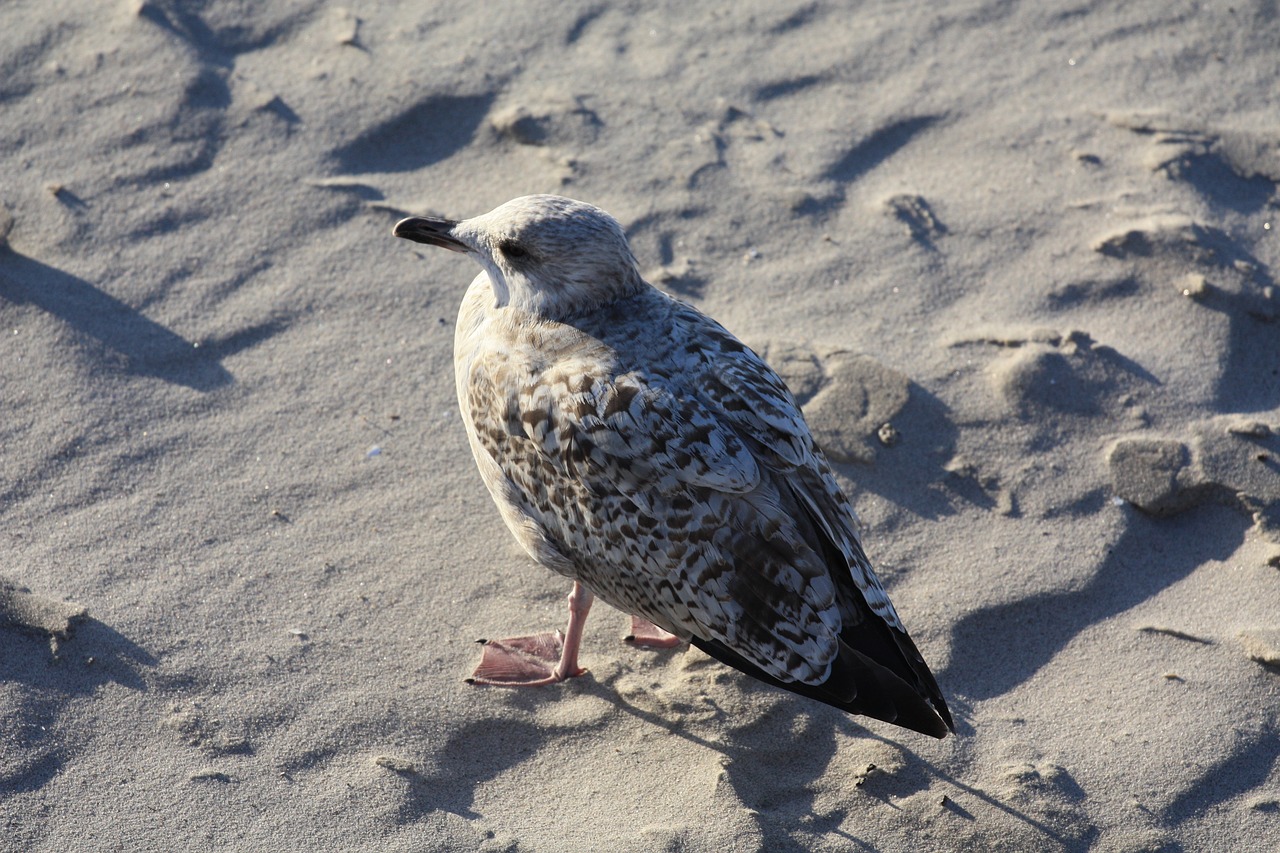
636	447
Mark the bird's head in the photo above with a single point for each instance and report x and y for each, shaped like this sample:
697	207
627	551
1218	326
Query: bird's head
550	256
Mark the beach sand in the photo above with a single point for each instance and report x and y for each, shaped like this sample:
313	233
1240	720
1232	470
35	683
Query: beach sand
244	551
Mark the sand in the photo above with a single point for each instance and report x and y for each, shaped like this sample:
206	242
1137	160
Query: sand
1017	261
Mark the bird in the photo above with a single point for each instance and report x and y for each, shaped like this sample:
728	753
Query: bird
635	446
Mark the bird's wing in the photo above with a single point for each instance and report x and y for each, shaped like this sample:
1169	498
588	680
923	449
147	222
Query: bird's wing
753	399
650	458
871	632
633	431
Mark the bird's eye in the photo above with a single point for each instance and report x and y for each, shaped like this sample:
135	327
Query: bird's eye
513	250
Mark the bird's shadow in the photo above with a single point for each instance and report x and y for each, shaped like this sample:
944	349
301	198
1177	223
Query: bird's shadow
118	336
773	763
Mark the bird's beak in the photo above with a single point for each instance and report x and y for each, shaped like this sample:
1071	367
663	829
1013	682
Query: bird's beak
433	232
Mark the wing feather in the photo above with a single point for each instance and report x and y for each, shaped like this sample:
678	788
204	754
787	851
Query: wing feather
744	573
637	431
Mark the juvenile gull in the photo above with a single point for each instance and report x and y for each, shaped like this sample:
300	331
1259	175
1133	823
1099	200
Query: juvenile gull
635	446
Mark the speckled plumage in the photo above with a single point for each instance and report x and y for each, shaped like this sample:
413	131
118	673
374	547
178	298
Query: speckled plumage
634	445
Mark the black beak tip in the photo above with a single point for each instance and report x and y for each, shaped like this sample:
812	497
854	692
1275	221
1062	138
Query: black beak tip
432	232
405	227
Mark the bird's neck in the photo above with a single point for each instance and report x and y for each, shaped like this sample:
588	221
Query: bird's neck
570	300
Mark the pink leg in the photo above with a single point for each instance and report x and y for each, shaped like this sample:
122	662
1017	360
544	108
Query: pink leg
527	661
645	633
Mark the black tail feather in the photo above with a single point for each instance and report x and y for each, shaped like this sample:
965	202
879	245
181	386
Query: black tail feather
858	685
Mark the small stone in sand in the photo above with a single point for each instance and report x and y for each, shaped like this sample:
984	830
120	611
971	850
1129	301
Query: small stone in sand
1147	473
